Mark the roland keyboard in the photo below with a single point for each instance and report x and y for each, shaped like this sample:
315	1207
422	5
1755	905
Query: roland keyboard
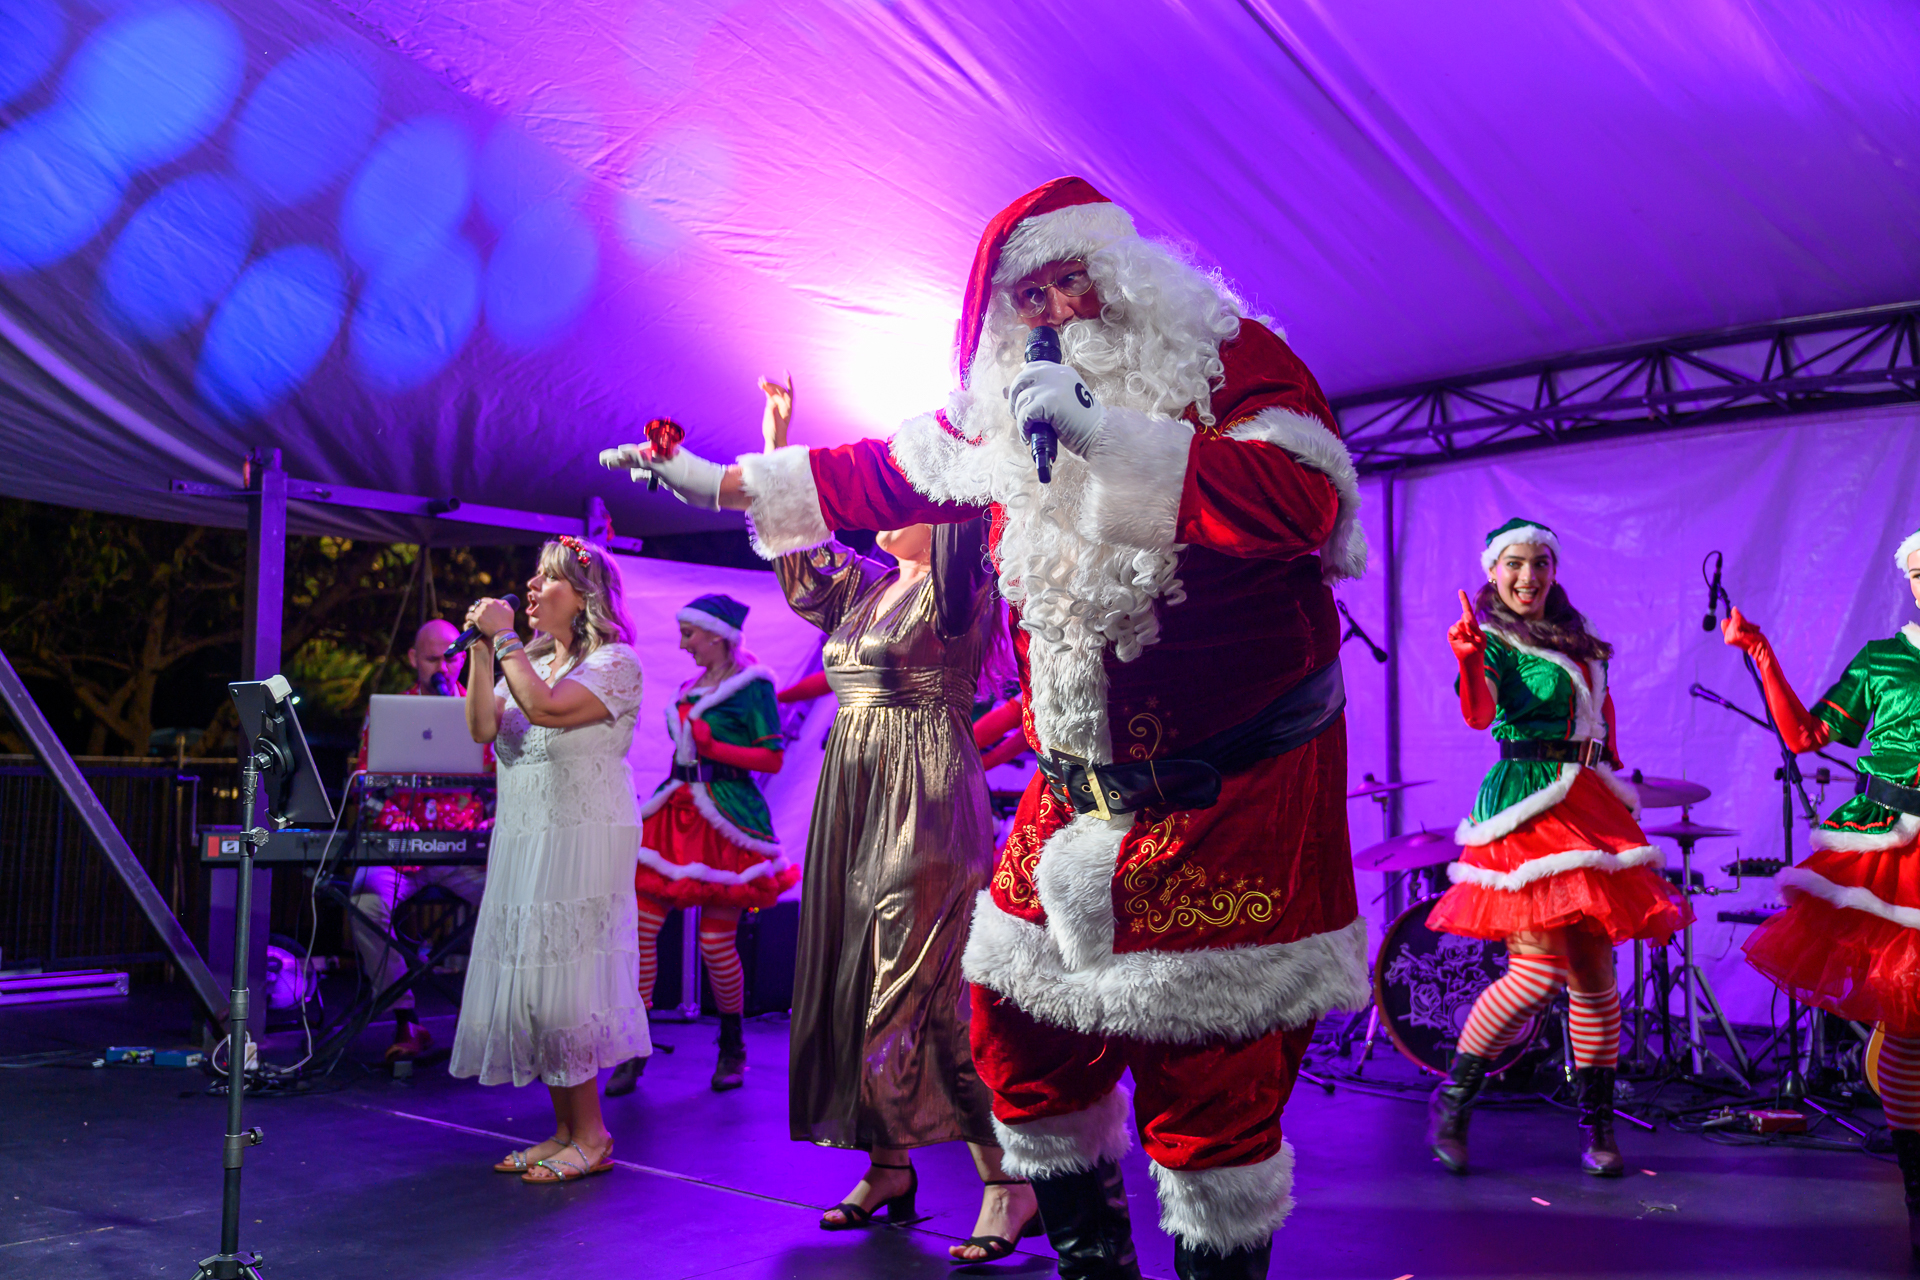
349	848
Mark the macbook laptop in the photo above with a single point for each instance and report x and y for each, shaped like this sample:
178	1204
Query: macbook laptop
421	734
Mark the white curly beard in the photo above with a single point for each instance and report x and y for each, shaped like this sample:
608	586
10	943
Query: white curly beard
1156	350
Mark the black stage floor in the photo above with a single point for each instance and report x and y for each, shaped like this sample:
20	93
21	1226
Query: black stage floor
113	1172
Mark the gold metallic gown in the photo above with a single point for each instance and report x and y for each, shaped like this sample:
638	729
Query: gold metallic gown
901	842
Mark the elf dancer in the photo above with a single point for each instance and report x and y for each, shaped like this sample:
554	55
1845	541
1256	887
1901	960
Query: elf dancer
1555	862
1176	897
1849	940
708	839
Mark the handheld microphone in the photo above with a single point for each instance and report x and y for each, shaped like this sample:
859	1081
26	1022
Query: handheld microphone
1714	595
471	634
440	685
1043	345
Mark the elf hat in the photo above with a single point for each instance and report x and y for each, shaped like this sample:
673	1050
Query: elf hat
1064	219
1907	548
1518	530
722	615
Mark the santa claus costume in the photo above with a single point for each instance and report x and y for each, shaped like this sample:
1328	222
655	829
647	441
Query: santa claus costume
1849	940
1555	863
1176	897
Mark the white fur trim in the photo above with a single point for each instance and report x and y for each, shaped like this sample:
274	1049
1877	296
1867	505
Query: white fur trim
1552	865
1525	533
710	875
1139	467
1907	548
1071	1143
1074	878
685	750
783	512
1504	822
1801	880
1622	790
1589	683
703	801
1902	832
936	462
1307	440
707	622
1073	232
1912	632
1226	1209
1173	997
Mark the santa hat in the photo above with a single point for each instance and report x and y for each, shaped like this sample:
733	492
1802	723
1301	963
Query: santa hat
722	615
1064	219
1518	530
1907	548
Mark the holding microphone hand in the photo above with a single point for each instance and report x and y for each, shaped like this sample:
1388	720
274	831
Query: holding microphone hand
489	617
1054	392
693	479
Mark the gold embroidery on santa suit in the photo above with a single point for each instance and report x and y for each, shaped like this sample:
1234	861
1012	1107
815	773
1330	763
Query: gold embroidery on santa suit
1139	727
1020	861
1160	896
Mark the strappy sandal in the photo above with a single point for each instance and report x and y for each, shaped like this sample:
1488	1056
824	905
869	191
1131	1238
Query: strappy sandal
517	1162
564	1170
899	1208
997	1247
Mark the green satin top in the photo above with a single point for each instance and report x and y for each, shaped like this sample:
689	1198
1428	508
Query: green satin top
1877	698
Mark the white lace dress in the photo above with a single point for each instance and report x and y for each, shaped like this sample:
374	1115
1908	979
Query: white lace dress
553	985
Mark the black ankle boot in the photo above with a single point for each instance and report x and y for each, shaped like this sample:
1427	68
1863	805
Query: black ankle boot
1205	1264
1449	1108
731	1071
1085	1215
1906	1145
1599	1153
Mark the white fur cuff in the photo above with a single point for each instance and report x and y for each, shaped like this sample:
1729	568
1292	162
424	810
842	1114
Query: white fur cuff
784	512
1308	442
1070	1143
1139	468
1553	864
1226	1209
1075	881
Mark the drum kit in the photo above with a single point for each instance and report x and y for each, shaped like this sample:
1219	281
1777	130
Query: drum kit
1425	982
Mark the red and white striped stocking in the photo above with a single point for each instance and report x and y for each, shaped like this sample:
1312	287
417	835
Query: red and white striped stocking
653	917
1593	1019
1900	1082
723	964
1501	1009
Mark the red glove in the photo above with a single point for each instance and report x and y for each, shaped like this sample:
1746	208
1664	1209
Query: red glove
1613	733
1469	644
806	689
1799	730
993	726
758	759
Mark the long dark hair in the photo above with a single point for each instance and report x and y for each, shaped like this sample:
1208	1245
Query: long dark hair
1563	628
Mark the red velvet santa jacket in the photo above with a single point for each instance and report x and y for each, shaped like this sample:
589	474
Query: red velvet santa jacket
1181	925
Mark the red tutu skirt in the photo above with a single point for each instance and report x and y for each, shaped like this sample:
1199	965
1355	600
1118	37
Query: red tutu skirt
1847	959
719	873
1589	831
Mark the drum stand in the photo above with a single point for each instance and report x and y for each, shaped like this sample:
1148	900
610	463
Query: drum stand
1698	991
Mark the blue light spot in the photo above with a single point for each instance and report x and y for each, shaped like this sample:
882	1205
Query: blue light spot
411	194
541	275
32	33
272	330
56	190
178	254
153	84
412	321
516	172
310	119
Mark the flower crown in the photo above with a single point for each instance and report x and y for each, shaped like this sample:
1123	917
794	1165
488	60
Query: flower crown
580	550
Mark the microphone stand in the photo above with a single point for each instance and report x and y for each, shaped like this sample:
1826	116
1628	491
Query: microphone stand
1354	632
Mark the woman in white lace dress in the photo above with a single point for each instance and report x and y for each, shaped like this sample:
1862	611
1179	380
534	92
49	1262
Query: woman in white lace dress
552	987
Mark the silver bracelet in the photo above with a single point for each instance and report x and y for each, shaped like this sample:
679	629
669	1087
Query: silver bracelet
512	644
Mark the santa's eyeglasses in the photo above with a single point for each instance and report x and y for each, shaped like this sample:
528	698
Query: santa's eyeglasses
1030	301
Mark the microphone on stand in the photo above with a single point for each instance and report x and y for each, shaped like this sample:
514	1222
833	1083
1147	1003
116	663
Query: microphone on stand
1714	594
471	634
1354	632
1043	345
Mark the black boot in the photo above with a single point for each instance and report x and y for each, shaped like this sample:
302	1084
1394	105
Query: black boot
1906	1145
1085	1215
1599	1153
1205	1264
1449	1108
731	1071
625	1077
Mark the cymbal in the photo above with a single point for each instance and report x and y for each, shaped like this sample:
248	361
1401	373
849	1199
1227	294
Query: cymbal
1665	793
1372	786
1689	830
1409	852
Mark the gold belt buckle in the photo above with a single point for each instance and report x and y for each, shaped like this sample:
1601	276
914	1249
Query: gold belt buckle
1099	790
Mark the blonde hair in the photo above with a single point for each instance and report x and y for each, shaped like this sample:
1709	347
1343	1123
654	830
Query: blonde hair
603	620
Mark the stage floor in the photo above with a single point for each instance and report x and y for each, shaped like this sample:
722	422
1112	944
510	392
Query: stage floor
116	1172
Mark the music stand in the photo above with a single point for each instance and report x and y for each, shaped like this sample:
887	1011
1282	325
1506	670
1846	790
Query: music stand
276	750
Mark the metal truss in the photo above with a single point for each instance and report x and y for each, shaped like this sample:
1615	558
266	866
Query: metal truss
1817	364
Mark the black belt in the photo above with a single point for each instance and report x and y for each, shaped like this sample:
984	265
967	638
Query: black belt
1192	781
1586	751
1890	794
706	771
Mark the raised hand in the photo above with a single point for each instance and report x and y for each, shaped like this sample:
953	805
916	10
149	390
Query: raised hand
778	415
1740	633
1465	636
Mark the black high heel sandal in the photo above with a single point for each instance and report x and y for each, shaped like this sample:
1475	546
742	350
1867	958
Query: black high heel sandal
899	1208
997	1247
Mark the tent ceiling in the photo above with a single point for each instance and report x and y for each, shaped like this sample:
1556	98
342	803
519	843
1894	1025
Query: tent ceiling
456	246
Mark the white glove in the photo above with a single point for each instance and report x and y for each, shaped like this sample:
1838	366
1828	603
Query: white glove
693	479
1043	389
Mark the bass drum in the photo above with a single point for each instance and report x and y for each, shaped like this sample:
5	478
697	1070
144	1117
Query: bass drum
1425	983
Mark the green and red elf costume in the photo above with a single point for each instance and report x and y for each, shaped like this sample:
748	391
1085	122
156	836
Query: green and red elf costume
1849	939
708	838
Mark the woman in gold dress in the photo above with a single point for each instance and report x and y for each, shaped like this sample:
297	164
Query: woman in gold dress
901	843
